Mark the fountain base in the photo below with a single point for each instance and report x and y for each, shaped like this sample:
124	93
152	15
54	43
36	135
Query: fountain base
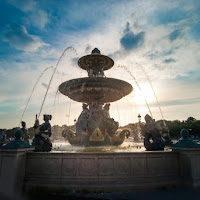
97	138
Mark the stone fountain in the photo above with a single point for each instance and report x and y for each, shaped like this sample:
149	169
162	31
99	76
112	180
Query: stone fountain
24	171
94	125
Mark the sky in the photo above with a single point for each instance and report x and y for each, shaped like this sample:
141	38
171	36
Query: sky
155	45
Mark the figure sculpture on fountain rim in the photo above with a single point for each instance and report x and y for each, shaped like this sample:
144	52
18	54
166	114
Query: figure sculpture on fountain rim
25	135
154	139
43	133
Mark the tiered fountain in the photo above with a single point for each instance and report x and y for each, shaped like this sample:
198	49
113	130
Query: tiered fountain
94	125
60	172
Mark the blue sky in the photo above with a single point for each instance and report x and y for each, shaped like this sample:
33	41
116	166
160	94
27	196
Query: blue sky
156	40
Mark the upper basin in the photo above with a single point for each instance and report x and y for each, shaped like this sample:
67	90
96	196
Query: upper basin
95	89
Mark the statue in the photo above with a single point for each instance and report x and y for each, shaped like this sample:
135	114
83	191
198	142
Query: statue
185	141
109	123
153	132
43	133
106	109
2	140
17	143
82	121
25	135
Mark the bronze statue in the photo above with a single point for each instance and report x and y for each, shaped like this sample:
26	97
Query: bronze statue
25	135
43	133
186	141
153	131
17	143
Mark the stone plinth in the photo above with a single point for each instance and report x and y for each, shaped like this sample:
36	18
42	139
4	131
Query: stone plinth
189	162
122	171
12	170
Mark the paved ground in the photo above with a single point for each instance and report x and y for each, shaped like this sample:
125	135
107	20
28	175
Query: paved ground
176	194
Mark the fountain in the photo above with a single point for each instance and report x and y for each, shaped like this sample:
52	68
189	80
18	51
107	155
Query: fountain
24	170
94	125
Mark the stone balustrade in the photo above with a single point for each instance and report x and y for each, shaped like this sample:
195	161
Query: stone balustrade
120	171
25	170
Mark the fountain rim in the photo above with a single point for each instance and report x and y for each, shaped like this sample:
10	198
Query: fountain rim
71	85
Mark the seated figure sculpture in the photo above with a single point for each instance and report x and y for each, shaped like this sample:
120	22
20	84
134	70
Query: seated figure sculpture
42	141
153	132
106	109
17	143
109	123
82	122
2	140
185	141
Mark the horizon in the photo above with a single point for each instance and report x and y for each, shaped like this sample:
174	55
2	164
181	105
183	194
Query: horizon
157	42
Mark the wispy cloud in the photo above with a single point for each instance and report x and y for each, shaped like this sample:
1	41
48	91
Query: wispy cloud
174	35
18	37
176	102
35	15
169	60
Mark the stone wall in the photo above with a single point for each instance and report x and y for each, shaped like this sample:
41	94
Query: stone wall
189	162
101	171
12	171
23	169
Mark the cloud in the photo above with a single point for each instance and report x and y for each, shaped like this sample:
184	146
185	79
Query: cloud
36	16
176	102
18	37
170	60
174	35
45	85
131	41
39	14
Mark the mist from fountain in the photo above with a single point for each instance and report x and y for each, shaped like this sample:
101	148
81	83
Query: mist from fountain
127	146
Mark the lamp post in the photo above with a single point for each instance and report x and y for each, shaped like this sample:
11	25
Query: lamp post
139	118
138	136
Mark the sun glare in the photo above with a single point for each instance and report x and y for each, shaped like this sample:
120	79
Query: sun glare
144	93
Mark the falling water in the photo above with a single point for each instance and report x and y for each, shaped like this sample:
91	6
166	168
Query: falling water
125	68
69	110
68	48
118	113
153	92
32	92
55	97
57	92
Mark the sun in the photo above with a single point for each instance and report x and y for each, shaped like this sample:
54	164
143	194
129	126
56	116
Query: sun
143	93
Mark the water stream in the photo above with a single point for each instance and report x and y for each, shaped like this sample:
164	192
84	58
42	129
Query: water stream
68	48
153	93
125	68
32	92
